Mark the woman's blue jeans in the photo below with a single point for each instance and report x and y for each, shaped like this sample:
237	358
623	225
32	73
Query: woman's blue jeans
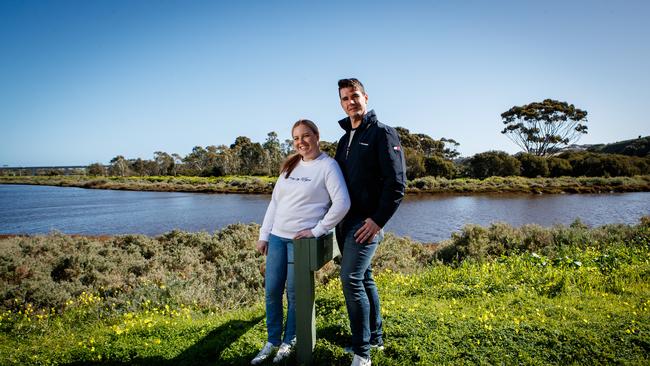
360	291
279	271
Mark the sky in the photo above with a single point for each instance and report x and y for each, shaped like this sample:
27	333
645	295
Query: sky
85	81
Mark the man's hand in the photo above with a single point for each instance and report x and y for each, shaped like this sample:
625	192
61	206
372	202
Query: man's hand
367	232
263	247
304	234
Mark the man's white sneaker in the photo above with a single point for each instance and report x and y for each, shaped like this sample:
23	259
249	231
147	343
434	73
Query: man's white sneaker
263	354
360	361
283	352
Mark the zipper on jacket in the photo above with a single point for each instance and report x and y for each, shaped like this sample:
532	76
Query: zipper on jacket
347	149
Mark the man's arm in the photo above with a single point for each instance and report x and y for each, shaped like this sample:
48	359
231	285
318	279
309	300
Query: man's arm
393	172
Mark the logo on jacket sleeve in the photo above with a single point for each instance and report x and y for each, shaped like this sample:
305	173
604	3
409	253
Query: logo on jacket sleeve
397	148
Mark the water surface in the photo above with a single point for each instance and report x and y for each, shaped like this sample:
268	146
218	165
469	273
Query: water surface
29	209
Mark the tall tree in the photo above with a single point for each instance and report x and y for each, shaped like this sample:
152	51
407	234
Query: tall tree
252	157
178	163
542	128
225	160
287	147
449	148
96	169
196	160
143	167
428	146
274	152
119	166
165	162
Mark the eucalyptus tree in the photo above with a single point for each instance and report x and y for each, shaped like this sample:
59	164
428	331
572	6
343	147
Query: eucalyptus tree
544	127
164	162
251	156
96	169
274	151
119	166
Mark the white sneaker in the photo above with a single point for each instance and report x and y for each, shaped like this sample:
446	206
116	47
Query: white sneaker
360	361
263	354
283	352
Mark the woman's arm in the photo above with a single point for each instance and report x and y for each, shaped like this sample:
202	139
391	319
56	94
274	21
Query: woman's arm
338	192
269	216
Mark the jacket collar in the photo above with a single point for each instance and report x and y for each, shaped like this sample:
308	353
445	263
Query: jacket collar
369	118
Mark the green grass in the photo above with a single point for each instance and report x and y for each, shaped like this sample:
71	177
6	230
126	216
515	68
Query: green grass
521	309
530	185
250	184
531	295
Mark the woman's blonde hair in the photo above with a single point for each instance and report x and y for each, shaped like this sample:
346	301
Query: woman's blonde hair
292	160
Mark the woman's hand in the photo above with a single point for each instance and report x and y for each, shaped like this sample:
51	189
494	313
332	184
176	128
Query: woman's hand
263	247
304	234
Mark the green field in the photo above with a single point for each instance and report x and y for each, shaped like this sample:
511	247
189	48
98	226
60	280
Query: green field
488	295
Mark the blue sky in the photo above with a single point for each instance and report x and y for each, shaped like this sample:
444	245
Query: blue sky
84	81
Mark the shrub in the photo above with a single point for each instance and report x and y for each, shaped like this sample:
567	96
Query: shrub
438	167
477	242
222	270
414	163
559	167
96	169
493	163
611	165
533	166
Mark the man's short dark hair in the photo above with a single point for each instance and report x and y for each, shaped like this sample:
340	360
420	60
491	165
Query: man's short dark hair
351	83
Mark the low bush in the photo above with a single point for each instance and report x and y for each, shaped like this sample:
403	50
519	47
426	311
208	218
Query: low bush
533	166
493	163
499	239
221	270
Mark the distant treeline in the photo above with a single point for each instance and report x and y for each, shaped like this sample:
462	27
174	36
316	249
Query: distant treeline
636	147
425	156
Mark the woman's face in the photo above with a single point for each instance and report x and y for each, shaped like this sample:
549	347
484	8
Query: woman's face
305	141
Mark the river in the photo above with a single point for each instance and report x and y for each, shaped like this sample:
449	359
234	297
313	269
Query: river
28	209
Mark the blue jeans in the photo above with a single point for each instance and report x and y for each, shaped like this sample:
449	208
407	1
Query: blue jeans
360	291
279	270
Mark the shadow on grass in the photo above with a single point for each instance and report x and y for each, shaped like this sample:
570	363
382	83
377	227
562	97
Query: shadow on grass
332	334
205	352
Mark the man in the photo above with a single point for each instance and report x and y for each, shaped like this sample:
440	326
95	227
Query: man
372	161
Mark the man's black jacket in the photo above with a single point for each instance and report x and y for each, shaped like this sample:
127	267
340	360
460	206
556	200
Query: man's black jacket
374	170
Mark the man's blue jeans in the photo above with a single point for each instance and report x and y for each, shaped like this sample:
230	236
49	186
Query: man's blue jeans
279	270
360	291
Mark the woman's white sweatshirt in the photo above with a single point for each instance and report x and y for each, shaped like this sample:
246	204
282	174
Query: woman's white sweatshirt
313	197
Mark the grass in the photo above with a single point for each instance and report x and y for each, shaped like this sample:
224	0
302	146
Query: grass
249	184
228	184
530	185
488	295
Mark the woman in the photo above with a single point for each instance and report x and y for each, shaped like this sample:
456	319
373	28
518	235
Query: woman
309	199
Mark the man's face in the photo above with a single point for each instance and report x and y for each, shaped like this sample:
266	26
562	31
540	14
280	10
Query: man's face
353	102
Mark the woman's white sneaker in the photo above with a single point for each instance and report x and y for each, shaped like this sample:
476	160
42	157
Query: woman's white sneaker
283	352
263	354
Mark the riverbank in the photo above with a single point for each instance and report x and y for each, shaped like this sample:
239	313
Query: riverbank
264	185
498	294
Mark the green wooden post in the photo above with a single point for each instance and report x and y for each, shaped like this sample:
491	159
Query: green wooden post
309	255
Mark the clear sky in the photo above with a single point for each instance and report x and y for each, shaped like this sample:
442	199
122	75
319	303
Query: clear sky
84	81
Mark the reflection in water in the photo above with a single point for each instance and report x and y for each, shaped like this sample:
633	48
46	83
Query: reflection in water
428	218
439	215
